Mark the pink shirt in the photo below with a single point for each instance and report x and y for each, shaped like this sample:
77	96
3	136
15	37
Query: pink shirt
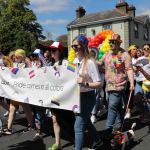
115	69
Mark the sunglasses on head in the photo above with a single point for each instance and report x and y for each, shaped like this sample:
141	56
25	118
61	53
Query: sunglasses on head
112	42
75	46
146	49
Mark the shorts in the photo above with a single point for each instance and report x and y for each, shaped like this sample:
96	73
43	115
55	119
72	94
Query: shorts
138	89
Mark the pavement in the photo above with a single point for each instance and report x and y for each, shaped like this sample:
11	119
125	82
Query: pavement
25	141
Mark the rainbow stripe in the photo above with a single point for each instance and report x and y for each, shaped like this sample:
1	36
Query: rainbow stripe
71	67
31	74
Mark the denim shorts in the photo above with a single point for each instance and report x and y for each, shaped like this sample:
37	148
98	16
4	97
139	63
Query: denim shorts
138	89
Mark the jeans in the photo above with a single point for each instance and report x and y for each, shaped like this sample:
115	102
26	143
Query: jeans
115	111
97	103
83	121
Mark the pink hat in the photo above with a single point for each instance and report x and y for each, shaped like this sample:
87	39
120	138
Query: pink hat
115	37
57	45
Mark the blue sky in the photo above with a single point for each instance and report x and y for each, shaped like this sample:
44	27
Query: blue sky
54	15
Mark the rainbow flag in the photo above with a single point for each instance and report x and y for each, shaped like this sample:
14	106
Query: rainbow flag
14	70
71	67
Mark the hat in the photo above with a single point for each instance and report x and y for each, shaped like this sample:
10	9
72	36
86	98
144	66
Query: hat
82	39
95	50
57	45
132	47
20	52
115	37
37	51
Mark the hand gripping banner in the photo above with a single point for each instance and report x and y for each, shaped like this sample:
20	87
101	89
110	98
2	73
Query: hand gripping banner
47	87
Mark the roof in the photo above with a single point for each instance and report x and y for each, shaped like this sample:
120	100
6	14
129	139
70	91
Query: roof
142	18
102	17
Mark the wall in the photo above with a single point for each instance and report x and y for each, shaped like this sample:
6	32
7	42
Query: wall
137	41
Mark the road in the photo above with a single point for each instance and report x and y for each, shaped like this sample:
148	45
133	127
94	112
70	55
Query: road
25	141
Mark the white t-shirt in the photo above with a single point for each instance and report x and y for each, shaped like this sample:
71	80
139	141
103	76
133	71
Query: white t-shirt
64	63
139	76
90	73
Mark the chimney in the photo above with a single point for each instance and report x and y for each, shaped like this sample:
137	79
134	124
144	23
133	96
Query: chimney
80	12
122	6
131	10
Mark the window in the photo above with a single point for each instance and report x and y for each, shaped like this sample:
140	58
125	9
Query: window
93	32
136	30
107	26
146	33
82	31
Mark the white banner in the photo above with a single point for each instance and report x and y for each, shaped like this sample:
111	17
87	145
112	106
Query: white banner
46	87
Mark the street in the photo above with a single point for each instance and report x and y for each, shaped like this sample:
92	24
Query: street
24	141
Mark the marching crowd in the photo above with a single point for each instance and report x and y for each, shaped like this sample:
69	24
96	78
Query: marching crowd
117	75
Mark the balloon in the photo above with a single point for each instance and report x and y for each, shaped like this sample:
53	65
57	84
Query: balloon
99	38
71	55
100	55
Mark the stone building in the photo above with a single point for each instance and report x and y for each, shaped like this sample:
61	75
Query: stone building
122	20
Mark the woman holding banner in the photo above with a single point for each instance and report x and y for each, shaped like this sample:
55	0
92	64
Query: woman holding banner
20	63
89	79
57	118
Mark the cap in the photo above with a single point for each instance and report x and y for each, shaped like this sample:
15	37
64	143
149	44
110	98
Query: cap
20	52
37	51
115	37
57	45
132	47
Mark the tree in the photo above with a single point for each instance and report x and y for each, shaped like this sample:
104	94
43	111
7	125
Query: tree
63	39
46	42
18	25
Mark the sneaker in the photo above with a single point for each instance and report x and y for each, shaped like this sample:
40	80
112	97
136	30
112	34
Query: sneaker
93	119
19	112
127	116
6	114
28	128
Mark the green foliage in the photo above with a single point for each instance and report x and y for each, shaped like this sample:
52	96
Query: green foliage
18	25
46	42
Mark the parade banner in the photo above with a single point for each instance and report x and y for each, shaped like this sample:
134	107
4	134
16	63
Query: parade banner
53	87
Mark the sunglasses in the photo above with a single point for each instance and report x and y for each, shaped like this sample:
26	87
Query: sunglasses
112	42
53	50
146	49
75	46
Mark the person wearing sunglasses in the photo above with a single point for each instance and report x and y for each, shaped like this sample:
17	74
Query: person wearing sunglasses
133	53
118	69
146	50
89	79
56	52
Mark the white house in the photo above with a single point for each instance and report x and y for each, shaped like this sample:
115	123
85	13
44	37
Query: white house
122	20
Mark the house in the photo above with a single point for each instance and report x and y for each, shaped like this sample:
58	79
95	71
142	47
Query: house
122	20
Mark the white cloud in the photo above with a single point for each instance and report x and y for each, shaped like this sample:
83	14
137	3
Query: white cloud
54	22
143	10
46	6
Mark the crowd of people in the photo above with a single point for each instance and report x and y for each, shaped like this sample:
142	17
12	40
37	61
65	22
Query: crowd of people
118	74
